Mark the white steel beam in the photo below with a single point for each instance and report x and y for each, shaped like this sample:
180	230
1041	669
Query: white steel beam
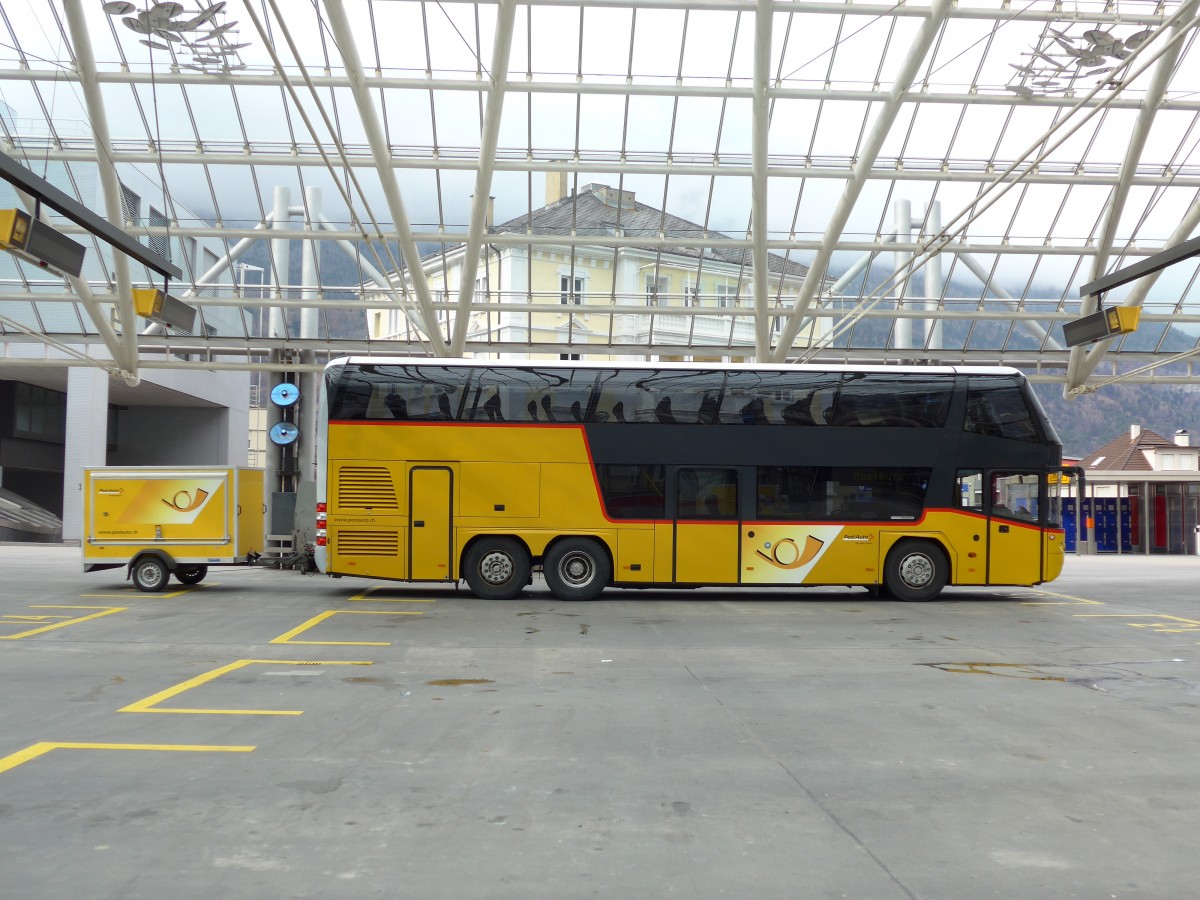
344	37
498	82
124	349
676	164
1077	370
1136	297
760	135
867	154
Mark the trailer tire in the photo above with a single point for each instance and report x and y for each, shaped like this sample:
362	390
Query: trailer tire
150	574
496	568
191	574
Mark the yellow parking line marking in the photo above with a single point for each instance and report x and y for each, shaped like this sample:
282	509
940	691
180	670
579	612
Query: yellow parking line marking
1070	597
107	611
321	617
1161	627
168	595
149	704
372	590
41	749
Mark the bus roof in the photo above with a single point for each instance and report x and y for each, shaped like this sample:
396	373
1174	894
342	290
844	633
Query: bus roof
710	366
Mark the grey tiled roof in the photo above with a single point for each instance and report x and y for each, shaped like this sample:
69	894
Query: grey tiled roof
1124	453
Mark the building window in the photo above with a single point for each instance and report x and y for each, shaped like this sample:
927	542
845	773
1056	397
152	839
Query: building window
656	288
568	296
726	295
39	413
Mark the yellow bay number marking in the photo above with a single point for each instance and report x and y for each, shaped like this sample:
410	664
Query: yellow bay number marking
150	704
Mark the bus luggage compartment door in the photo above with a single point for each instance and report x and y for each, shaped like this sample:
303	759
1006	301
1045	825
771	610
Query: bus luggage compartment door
430	521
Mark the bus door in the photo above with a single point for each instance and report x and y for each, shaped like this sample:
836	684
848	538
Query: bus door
1014	533
706	525
431	519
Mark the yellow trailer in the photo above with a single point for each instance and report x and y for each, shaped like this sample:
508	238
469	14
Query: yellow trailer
160	521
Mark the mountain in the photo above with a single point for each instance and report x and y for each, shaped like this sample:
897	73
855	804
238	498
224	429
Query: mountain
1090	421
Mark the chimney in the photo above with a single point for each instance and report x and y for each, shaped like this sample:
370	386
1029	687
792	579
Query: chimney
1182	438
1135	432
556	186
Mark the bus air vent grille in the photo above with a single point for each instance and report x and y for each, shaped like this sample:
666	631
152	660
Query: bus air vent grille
368	543
369	487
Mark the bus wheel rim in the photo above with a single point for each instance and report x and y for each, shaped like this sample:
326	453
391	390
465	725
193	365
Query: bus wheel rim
916	570
577	569
496	567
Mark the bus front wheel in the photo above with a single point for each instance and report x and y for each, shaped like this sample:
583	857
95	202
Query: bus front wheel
496	568
576	569
916	570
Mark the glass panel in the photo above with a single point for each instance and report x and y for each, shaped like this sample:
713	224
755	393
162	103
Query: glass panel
866	493
657	395
778	398
782	491
1015	495
905	401
633	492
397	392
511	394
970	490
996	407
707	494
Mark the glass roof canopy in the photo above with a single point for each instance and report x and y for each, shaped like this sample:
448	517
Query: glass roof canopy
934	181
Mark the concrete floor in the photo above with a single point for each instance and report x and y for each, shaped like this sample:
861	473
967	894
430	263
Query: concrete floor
268	734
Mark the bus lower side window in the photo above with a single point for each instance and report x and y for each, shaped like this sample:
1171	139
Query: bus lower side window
634	491
856	493
783	491
1015	495
970	489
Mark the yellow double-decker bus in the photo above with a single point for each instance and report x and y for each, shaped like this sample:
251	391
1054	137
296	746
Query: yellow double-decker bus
902	480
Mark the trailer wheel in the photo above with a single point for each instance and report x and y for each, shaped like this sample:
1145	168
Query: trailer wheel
916	570
191	574
576	569
150	574
496	568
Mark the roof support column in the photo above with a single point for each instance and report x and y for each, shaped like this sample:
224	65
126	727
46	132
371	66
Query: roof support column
506	13
125	353
335	12
858	175
764	15
1084	360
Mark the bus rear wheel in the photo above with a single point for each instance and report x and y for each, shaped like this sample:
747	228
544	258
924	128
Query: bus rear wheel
496	568
916	570
576	569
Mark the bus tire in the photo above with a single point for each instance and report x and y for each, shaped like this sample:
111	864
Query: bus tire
915	570
150	574
576	569
191	574
496	568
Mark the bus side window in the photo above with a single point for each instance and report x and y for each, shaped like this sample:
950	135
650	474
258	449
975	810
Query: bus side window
970	490
996	408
